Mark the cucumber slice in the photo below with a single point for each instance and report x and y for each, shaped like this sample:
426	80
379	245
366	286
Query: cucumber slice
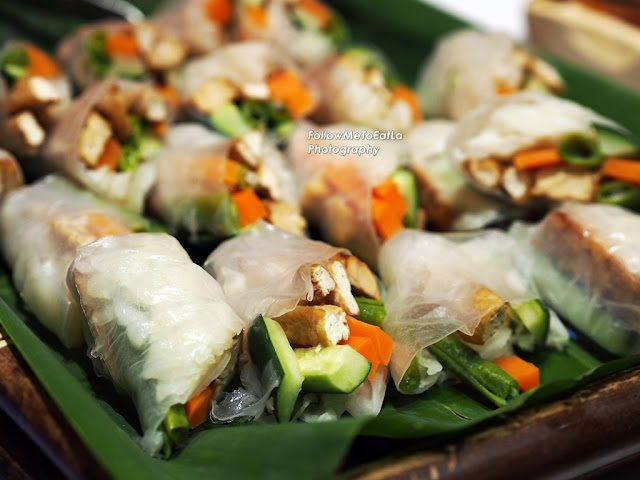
615	142
229	120
407	185
271	352
334	369
535	317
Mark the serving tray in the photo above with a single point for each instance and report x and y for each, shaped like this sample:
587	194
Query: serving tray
582	431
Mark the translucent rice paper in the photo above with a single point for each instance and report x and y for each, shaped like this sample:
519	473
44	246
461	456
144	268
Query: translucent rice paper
157	324
455	204
180	182
306	46
351	94
430	279
39	255
266	270
188	21
128	188
336	189
596	296
243	64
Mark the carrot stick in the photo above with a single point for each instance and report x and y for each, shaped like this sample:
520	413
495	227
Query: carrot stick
366	347
385	219
541	157
320	12
504	89
526	374
287	87
219	169
250	208
197	408
170	95
159	128
388	191
258	15
110	155
218	11
40	63
622	169
122	44
382	341
405	94
102	225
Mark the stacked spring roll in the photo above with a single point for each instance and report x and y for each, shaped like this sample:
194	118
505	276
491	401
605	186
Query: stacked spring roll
158	327
42	226
448	295
469	68
107	138
33	91
450	202
141	51
354	191
201	25
210	187
307	30
244	86
584	262
358	87
534	149
304	289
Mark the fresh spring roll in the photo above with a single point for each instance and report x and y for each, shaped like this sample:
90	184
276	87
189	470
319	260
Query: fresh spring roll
450	292
307	30
119	49
42	227
451	203
533	149
158	327
585	264
245	86
107	138
469	68
201	25
210	187
296	292
354	191
358	87
33	92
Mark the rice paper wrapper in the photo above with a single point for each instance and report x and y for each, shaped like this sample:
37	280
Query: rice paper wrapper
39	254
307	47
266	270
128	188
584	261
157	324
430	279
336	186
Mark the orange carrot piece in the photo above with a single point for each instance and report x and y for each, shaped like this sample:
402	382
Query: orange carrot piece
622	169
540	157
504	89
159	128
170	95
219	169
388	191
232	173
123	44
385	218
405	94
382	341
40	63
287	87
258	15
526	374
250	208
218	11
197	408
110	155
319	11
101	225
366	347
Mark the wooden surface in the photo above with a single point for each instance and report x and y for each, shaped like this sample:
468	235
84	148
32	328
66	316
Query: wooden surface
581	436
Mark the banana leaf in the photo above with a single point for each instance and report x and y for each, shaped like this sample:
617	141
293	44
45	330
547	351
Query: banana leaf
106	422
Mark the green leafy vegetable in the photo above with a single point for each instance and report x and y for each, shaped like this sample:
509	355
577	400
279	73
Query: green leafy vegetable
98	60
14	63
